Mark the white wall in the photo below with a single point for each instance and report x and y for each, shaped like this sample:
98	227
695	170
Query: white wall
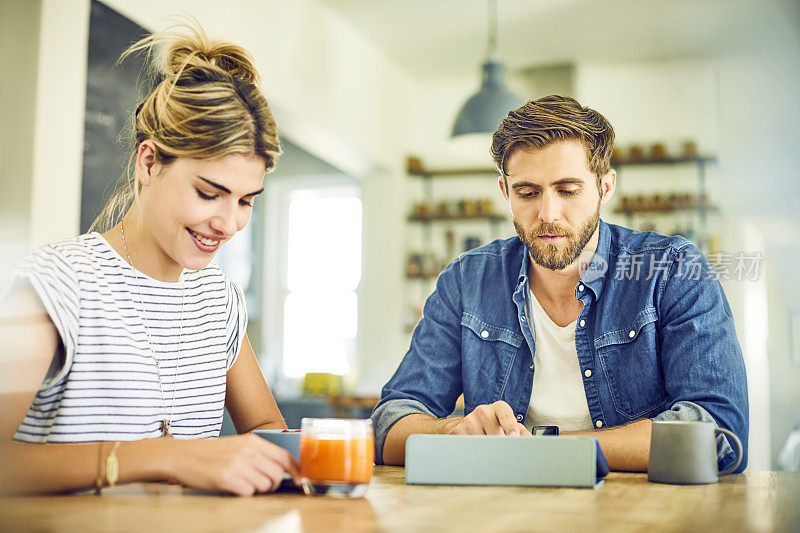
58	122
19	50
45	43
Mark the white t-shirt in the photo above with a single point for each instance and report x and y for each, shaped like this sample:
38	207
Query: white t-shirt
107	386
558	397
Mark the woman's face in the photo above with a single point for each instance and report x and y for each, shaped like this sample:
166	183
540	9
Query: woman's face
192	206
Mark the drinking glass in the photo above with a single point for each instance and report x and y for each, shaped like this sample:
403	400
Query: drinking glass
337	456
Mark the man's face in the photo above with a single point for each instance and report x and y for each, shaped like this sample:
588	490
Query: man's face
554	201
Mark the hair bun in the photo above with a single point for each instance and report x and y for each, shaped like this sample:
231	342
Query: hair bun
186	48
195	51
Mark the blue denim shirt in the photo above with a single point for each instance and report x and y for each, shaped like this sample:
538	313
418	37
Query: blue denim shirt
656	333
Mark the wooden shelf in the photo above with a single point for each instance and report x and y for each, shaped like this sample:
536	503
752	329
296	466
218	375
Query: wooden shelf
423	277
665	161
435	218
650	211
414	167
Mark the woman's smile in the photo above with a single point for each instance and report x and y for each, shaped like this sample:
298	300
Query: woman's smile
205	244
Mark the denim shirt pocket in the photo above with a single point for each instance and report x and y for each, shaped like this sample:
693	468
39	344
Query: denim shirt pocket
488	353
629	357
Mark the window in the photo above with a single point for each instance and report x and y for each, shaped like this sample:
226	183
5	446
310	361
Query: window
323	272
313	263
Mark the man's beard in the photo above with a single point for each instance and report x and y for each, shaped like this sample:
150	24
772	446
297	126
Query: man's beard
557	256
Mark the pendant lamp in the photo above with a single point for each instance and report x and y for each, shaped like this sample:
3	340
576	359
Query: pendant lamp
485	109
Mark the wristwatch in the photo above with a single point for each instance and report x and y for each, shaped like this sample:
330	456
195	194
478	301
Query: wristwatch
544	430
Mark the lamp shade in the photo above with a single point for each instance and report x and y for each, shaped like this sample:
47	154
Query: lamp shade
485	109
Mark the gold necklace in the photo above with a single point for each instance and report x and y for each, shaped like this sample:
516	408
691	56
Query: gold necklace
167	420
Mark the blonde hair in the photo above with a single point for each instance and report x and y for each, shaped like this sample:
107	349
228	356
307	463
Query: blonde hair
206	106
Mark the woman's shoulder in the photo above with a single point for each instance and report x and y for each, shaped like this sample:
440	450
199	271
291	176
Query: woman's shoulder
65	254
58	272
86	246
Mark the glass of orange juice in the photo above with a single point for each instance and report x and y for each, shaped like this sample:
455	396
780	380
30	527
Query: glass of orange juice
337	456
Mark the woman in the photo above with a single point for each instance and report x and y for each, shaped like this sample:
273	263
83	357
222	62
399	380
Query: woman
115	342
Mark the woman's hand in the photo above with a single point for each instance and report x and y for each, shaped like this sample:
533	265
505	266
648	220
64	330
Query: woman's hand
242	464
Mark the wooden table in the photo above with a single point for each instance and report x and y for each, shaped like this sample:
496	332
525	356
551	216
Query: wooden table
754	501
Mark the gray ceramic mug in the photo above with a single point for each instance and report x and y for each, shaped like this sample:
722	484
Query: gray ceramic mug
685	453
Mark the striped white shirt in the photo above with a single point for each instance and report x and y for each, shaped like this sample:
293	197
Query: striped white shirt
107	386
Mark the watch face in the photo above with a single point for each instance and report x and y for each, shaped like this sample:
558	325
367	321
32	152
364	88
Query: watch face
544	430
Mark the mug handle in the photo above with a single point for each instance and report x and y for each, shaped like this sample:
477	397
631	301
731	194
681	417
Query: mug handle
738	445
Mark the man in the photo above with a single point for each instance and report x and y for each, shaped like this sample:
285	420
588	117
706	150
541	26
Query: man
576	323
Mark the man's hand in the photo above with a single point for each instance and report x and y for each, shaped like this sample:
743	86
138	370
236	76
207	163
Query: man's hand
493	419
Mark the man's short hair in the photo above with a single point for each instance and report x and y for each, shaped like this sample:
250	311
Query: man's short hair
540	123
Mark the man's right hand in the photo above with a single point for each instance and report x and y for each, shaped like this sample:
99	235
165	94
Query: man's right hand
493	419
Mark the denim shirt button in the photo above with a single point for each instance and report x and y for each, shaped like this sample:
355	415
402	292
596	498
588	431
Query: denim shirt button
599	423
582	323
531	368
631	334
484	334
520	418
580	287
588	373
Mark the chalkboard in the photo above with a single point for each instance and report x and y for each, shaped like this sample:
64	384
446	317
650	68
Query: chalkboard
112	94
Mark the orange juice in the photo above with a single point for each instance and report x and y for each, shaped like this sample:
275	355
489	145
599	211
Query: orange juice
337	459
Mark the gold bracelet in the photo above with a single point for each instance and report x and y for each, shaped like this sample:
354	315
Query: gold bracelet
112	466
98	482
